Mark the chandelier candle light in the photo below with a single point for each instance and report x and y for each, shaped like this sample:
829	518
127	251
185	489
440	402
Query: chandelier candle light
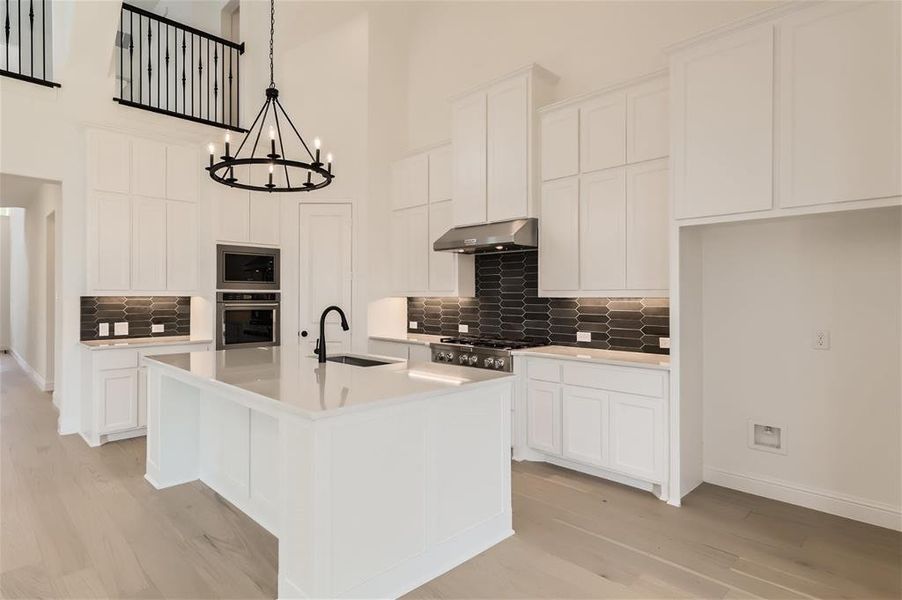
300	175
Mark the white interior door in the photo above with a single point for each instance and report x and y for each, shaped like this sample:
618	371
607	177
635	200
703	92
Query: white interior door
326	273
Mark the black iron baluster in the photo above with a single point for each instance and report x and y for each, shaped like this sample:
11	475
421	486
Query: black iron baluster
208	79
31	34
184	47
7	35
192	76
158	64
44	39
238	85
167	66
122	55
215	82
131	57
200	78
149	63
230	86
19	19
140	59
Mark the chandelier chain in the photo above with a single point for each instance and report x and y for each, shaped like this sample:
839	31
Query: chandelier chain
272	33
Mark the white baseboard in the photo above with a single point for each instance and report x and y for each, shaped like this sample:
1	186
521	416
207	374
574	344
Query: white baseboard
851	507
36	377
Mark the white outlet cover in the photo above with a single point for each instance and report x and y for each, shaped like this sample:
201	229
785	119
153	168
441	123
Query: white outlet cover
157	328
103	330
664	342
120	328
411	325
821	340
463	329
583	336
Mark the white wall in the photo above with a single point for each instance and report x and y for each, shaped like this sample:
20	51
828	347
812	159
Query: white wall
456	45
4	282
28	301
767	286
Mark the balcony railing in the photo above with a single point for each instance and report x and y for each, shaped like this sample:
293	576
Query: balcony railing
170	68
27	41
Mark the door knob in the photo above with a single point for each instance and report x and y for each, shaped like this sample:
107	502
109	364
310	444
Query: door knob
304	333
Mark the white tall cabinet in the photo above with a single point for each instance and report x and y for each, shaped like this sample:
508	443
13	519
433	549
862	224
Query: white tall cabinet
142	214
604	204
796	110
493	132
422	210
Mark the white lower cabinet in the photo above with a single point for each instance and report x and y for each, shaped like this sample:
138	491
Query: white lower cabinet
599	417
116	388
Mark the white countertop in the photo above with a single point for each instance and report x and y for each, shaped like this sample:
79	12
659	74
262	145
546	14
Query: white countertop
289	379
143	342
422	339
607	357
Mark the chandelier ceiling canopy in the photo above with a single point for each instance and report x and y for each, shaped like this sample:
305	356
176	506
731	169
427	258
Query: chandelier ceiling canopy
305	173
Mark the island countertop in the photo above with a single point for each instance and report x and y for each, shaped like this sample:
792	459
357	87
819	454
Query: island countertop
288	379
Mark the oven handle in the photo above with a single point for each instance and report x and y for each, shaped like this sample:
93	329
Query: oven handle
228	305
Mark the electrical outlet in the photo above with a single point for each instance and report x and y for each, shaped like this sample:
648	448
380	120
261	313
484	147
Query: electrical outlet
821	340
583	336
120	328
411	325
157	328
664	342
103	330
463	329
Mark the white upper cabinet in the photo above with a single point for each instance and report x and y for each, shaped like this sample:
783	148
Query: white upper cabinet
603	132
493	131
723	125
602	231
648	121
148	244
647	226
839	103
507	141
109	161
468	132
111	223
181	245
148	168
182	168
604	226
417	269
560	143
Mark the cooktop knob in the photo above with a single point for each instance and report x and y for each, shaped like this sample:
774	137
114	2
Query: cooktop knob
473	359
499	363
463	358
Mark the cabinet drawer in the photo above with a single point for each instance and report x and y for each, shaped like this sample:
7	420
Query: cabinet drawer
544	370
616	379
115	359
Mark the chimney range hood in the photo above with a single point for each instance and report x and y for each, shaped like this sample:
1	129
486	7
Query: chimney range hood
502	236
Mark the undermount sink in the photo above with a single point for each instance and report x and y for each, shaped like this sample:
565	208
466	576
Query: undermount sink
357	361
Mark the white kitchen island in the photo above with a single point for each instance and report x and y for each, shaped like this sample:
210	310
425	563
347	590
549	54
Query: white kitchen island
374	479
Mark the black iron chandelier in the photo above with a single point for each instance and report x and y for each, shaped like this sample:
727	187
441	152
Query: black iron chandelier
299	175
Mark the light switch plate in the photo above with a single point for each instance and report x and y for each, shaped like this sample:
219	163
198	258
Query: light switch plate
120	328
103	330
583	336
157	328
411	325
463	329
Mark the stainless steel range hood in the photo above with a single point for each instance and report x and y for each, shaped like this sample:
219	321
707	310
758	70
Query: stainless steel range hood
502	236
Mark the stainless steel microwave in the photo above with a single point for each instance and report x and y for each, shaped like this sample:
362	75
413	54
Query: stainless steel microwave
247	268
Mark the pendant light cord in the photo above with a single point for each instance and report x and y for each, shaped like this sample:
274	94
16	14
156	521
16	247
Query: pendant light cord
272	33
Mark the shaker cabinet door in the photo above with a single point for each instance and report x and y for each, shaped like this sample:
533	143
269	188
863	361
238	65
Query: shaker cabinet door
559	236
543	407
468	132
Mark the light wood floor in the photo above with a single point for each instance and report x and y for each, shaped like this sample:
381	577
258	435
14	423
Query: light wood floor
77	522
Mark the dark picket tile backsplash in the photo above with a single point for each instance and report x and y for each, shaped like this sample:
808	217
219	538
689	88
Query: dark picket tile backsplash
507	306
140	312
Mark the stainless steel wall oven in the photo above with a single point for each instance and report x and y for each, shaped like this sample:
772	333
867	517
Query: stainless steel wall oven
247	319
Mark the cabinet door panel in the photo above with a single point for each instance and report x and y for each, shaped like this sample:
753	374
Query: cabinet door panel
117	394
647	121
468	132
440	174
181	245
507	142
232	211
840	104
586	425
181	173
441	264
148	244
559	237
544	417
109	162
602	140
264	221
637	436
723	124
112	236
400	258
647	233
560	143
602	230
418	249
148	168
